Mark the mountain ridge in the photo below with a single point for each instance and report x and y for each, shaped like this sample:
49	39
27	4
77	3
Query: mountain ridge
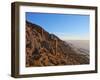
45	49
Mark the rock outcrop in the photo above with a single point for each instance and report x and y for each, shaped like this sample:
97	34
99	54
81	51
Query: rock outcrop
45	49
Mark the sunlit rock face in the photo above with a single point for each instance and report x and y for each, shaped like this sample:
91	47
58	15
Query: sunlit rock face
45	49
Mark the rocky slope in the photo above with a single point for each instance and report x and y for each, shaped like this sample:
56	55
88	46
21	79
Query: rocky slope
45	49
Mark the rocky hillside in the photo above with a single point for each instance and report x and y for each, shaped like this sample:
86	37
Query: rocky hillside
45	49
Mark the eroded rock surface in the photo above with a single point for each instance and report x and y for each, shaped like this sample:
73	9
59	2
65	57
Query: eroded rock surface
45	49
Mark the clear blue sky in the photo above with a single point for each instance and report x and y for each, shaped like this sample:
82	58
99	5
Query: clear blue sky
66	26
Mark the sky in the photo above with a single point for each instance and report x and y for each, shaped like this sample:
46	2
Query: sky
65	26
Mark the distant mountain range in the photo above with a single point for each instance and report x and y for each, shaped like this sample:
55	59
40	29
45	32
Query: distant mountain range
45	49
